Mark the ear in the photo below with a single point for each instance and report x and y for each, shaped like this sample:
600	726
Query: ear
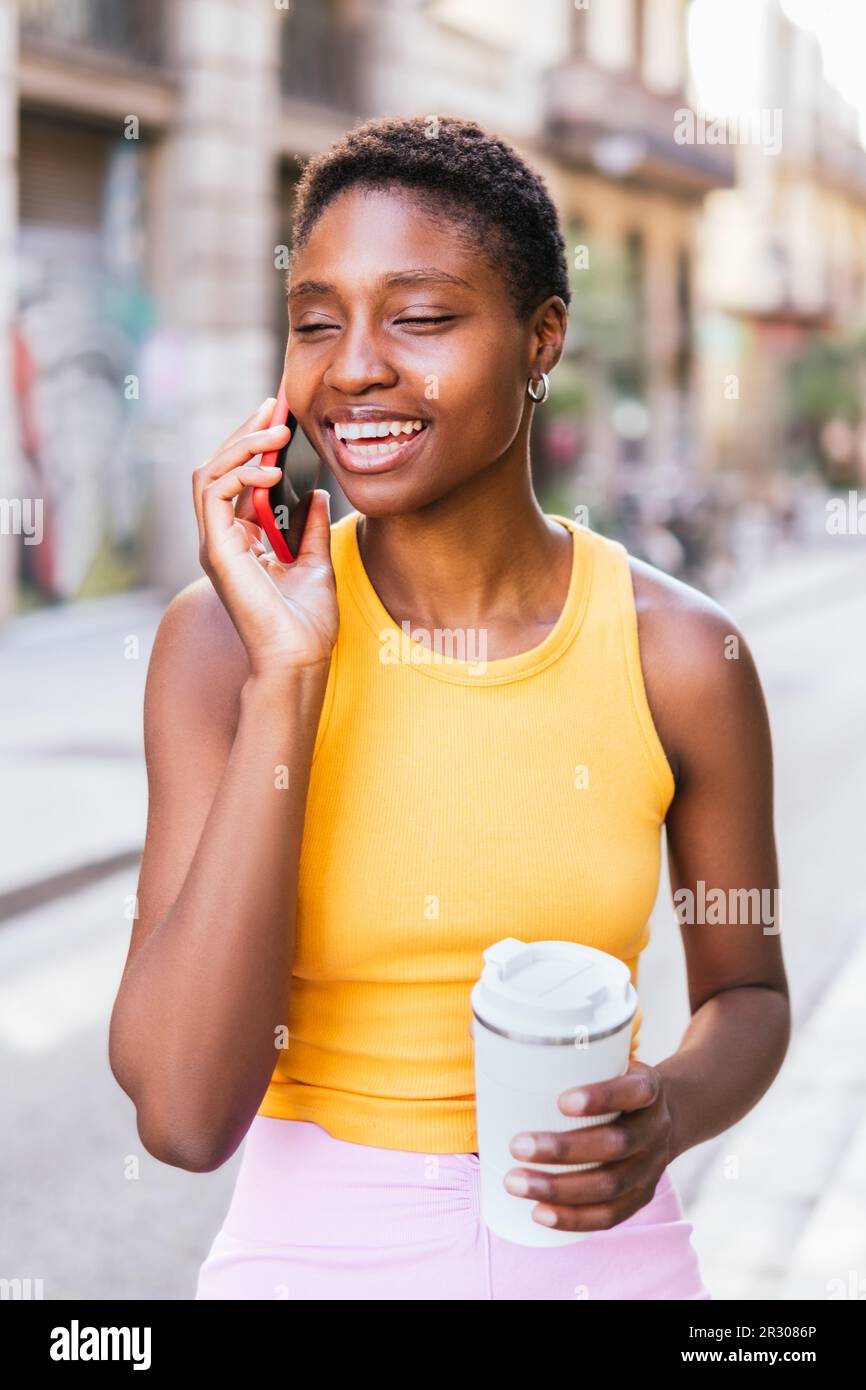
549	327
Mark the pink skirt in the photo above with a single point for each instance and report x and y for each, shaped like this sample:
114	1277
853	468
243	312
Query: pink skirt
314	1217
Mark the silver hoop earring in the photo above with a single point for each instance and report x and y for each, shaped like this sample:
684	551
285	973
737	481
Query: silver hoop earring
545	389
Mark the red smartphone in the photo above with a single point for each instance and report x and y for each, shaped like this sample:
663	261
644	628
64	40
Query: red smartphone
281	513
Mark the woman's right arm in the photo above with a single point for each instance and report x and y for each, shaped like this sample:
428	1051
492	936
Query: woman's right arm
234	692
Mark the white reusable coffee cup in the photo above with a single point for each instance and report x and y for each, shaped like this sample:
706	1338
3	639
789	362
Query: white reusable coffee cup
548	1016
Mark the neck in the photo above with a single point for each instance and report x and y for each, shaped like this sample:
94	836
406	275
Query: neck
485	553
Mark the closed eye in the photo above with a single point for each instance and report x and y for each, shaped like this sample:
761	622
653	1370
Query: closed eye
317	327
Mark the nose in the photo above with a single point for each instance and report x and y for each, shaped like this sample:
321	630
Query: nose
358	363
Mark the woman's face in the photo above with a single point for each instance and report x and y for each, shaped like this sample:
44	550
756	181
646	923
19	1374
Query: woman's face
395	320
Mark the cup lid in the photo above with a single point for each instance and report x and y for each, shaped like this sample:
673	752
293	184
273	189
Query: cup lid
553	990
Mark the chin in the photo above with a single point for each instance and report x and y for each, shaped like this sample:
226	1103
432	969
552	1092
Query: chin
385	495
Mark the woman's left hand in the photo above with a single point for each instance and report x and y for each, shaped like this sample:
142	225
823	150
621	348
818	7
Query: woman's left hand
633	1150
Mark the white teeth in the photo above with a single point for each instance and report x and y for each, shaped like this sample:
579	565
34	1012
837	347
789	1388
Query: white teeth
368	450
377	430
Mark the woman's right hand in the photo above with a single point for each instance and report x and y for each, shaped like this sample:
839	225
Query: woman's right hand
286	615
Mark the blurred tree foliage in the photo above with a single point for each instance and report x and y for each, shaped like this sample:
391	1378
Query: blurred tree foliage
825	383
603	359
607	324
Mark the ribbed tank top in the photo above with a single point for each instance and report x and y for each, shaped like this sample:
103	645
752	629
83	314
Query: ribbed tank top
452	803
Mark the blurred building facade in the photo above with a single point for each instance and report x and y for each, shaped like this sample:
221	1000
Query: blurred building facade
147	225
631	197
783	263
149	153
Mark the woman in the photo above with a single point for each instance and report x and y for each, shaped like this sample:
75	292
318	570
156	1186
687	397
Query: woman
344	812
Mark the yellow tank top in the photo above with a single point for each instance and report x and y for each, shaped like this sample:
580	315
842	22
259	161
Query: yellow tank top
453	802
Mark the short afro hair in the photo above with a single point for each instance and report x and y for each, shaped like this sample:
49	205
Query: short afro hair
454	169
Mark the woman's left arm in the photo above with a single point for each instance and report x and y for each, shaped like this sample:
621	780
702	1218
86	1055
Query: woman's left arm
720	837
708	707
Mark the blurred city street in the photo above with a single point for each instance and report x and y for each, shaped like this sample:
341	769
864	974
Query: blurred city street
89	1212
706	163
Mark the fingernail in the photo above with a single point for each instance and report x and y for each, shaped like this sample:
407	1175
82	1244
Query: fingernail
545	1216
523	1146
516	1184
575	1100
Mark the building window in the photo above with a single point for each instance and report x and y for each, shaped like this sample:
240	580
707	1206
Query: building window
683	361
663	45
611	34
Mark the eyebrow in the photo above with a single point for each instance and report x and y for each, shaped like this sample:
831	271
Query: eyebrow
423	275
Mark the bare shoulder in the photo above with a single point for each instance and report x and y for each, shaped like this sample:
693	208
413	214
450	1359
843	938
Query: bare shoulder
680	623
198	661
698	669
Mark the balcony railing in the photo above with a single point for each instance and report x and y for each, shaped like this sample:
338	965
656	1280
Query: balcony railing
612	122
841	158
322	59
133	31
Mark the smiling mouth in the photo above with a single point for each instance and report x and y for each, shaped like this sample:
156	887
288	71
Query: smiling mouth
375	448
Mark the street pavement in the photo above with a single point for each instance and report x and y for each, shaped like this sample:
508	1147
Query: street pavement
778	1202
71	744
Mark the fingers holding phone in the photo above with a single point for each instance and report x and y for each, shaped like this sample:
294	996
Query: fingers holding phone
258	421
286	614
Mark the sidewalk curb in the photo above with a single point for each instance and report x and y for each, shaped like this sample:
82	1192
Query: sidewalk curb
66	881
759	600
